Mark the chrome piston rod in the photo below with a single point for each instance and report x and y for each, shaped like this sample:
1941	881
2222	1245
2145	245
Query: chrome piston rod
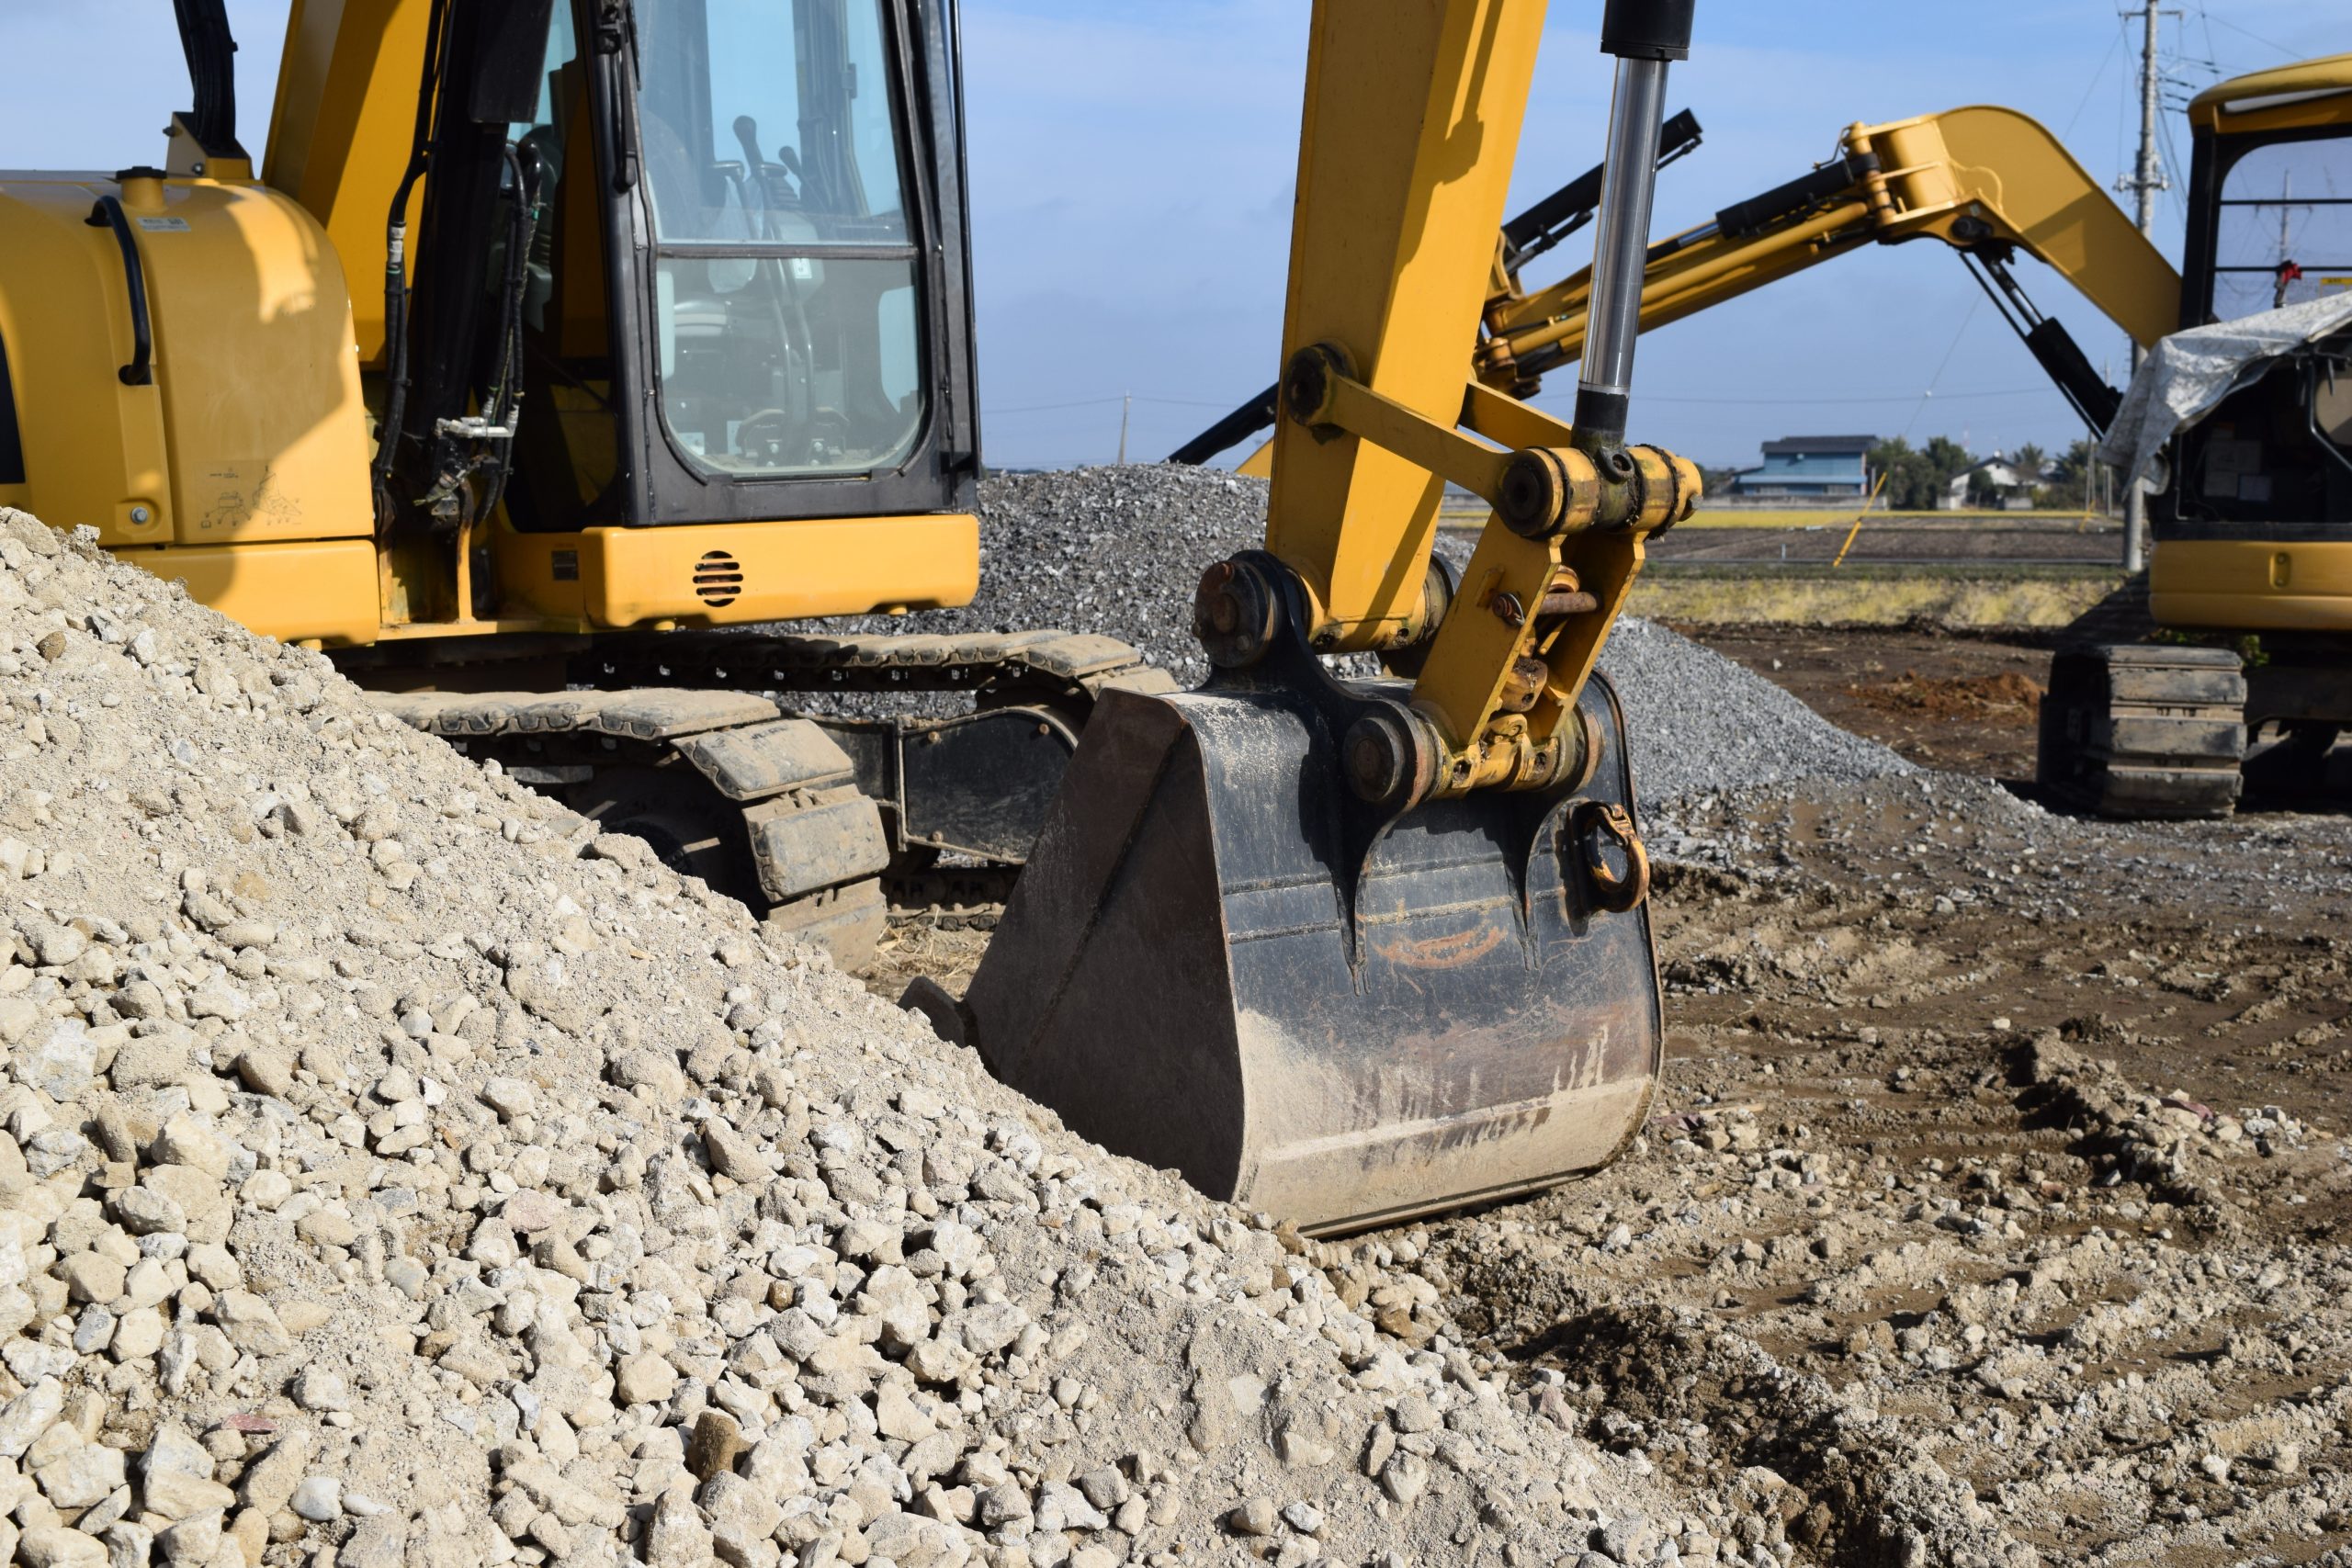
1644	36
1622	241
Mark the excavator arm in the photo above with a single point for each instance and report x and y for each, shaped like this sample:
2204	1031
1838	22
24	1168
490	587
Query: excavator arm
1988	180
342	129
1985	180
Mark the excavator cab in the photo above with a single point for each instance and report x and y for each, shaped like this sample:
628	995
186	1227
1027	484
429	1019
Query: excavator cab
2268	229
773	222
552	318
740	297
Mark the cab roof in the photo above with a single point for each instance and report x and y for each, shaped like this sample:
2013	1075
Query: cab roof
2299	96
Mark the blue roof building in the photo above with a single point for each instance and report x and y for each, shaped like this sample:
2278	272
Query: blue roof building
1809	467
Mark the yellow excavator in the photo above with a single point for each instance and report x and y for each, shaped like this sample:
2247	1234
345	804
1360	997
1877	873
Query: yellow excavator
2250	583
549	339
667	331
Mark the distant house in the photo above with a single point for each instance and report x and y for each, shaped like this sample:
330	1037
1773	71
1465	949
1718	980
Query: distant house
1809	467
2008	486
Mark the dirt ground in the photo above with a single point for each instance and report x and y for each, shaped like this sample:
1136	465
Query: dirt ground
2044	1193
1959	701
1993	1204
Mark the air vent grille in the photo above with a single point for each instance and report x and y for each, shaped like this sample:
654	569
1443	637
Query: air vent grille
719	579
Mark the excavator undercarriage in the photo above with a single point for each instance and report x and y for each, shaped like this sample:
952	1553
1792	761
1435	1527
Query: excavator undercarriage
706	745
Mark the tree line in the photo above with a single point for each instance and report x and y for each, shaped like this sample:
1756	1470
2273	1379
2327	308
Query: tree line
1918	478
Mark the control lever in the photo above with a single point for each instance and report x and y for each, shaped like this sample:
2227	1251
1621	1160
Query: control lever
747	137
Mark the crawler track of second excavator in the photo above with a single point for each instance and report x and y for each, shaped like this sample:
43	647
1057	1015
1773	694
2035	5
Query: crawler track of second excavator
2145	729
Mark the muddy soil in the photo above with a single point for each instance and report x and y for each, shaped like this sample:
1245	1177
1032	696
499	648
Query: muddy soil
1954	700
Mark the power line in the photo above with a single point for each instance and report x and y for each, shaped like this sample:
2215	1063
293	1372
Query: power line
988	407
1868	397
1049	408
1953	347
2172	159
2257	37
1188	403
2096	77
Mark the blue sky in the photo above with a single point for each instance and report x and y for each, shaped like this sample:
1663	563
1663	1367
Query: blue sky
1132	165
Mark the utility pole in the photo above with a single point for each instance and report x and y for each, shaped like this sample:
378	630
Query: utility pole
2287	271
2146	180
1126	404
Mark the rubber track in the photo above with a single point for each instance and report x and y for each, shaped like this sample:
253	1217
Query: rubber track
2144	731
678	690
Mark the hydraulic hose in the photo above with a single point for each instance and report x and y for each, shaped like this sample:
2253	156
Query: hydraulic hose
396	271
505	404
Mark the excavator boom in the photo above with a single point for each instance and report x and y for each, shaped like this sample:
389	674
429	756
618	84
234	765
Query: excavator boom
1974	177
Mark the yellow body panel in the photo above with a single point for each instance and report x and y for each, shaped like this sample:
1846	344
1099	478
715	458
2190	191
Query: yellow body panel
253	427
2252	585
600	578
1391	241
2306	95
612	578
339	139
324	591
94	448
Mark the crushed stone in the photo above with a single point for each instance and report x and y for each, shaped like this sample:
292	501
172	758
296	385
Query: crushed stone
1116	550
393	1166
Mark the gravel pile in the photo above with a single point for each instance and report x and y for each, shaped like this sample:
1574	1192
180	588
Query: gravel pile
391	1164
1117	550
1114	550
1701	724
